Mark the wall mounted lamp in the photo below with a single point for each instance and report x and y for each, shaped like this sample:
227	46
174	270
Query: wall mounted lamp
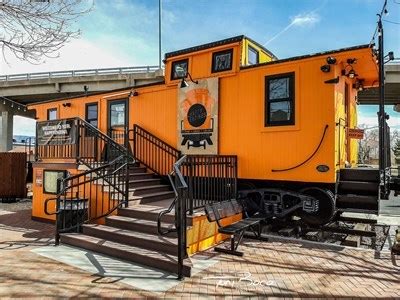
359	85
326	68
133	93
330	60
351	73
184	82
67	104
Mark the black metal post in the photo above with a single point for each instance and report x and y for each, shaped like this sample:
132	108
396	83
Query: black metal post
78	134
382	113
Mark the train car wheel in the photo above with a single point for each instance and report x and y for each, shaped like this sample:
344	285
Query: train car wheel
326	206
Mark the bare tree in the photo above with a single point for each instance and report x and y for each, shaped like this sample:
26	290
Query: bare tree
33	29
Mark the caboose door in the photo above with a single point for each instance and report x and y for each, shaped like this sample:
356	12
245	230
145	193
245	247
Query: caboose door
117	119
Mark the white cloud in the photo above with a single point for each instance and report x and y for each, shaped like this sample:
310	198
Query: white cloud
300	20
78	54
24	126
308	19
368	121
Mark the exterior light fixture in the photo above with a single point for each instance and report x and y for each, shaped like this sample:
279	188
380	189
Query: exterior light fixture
389	57
326	68
352	74
331	60
358	85
67	104
184	82
351	61
133	93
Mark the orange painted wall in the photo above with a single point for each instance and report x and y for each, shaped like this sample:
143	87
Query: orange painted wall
241	113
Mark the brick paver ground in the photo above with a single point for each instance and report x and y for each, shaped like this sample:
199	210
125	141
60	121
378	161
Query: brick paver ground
266	270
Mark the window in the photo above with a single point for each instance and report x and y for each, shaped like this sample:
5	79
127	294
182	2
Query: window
252	56
222	61
279	99
117	113
50	180
52	114
179	69
92	114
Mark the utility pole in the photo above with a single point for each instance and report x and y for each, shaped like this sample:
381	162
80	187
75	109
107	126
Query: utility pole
159	34
382	113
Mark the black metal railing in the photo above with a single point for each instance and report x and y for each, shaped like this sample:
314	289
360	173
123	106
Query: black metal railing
198	180
85	143
89	196
210	178
151	151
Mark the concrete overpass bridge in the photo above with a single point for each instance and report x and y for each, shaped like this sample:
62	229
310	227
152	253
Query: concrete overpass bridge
35	87
18	90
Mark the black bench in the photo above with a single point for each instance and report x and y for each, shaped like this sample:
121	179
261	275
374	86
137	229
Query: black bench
221	210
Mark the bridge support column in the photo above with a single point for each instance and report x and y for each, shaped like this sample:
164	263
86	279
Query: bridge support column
6	131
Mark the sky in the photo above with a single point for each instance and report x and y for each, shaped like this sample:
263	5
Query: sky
123	33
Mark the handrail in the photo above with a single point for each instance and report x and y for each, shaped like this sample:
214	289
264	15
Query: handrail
177	172
309	158
91	198
157	155
76	73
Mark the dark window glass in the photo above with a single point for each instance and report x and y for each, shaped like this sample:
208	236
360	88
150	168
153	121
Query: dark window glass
253	56
279	100
179	69
117	114
222	61
52	114
92	114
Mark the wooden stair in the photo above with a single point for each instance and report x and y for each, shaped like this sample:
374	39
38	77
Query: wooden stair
132	233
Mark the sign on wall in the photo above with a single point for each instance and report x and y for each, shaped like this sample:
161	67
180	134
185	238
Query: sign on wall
57	132
198	117
354	133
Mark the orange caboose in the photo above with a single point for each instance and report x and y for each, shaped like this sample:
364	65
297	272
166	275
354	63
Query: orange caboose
287	121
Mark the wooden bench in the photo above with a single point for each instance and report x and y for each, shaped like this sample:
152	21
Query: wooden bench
218	211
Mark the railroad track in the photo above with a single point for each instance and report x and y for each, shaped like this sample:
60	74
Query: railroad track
345	231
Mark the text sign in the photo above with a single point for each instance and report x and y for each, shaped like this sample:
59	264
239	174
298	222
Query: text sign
57	132
354	133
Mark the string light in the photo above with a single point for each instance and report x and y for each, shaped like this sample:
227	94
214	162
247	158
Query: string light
13	104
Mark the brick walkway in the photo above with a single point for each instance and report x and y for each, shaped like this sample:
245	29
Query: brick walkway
266	270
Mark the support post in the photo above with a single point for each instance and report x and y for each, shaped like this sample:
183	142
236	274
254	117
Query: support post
6	131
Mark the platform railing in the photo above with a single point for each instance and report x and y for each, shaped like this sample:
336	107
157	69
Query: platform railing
83	142
78	73
153	152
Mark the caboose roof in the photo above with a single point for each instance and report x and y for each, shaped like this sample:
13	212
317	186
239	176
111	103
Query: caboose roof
230	40
294	58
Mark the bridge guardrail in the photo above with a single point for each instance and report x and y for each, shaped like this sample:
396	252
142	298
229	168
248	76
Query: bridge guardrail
76	73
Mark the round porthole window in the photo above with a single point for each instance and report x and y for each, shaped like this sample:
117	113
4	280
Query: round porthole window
197	115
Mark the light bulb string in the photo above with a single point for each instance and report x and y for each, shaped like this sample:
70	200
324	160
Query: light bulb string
13	103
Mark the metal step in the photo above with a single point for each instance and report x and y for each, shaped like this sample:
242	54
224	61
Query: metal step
150	197
360	174
359	187
147	212
150	189
143	182
142	256
357	202
133	238
138	225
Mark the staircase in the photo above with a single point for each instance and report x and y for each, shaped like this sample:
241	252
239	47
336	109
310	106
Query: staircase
132	235
117	204
358	190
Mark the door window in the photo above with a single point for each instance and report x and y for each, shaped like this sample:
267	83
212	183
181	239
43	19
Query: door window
117	114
